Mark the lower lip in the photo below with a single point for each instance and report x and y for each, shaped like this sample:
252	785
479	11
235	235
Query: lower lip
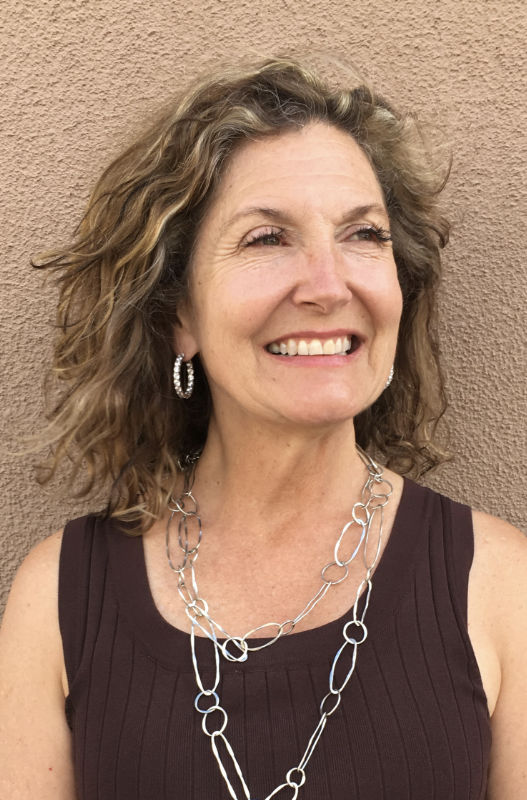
315	361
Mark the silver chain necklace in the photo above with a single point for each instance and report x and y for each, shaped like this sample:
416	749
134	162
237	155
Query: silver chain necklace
367	516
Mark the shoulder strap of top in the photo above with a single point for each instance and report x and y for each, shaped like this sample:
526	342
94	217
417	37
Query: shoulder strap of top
82	570
458	541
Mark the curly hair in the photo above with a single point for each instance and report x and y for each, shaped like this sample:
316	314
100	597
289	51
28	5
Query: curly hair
127	271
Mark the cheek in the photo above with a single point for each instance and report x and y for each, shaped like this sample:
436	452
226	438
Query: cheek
384	301
397	304
244	301
393	297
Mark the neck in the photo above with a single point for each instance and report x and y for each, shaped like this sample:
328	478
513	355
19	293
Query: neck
251	471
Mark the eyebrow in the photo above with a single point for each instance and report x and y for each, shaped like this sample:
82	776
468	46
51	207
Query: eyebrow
277	215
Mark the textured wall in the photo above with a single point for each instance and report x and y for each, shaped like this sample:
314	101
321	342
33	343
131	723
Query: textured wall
81	75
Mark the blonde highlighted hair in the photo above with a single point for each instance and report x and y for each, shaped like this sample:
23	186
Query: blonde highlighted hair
127	272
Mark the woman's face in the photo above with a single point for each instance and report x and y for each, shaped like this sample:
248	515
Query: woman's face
295	302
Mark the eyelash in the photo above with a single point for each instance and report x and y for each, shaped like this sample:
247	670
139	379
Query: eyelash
259	238
381	235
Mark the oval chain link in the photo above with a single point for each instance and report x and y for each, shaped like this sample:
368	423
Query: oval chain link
364	515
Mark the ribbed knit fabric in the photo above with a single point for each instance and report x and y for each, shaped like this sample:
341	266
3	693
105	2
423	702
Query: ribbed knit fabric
413	722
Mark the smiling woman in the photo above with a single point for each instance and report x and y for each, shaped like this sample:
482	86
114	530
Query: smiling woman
271	247
129	270
294	253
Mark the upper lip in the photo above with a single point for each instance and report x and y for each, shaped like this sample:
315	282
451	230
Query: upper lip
310	335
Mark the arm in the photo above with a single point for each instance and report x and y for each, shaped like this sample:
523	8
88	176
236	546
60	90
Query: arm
499	594
35	741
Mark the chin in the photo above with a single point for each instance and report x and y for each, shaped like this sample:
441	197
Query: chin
316	415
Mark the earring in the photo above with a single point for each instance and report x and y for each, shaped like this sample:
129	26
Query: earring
184	394
390	378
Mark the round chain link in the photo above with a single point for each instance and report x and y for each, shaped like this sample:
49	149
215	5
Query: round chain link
368	516
358	623
208	693
238	642
289	780
206	715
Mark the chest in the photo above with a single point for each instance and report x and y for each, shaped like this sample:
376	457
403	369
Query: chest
252	584
410	723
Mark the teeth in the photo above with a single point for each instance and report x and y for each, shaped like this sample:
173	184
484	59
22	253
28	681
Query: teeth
315	347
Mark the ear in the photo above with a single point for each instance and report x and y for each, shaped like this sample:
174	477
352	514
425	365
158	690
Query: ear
183	336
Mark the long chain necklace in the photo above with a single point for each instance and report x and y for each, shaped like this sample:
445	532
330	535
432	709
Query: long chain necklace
368	517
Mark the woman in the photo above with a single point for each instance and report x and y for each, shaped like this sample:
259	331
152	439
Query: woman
344	632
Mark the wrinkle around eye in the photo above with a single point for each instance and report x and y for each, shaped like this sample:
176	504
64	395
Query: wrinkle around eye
260	235
369	234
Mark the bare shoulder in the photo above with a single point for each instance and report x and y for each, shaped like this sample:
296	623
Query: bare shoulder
42	561
500	558
33	729
497	531
31	615
498	580
34	593
498	598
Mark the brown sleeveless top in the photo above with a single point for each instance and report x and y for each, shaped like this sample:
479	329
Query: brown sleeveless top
413	723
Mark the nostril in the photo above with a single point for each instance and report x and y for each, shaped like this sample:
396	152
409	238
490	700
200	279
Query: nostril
323	286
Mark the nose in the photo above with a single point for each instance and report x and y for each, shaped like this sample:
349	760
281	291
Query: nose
322	280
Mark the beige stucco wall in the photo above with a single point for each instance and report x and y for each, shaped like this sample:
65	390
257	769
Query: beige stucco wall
80	75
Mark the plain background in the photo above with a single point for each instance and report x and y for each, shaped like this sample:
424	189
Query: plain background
81	76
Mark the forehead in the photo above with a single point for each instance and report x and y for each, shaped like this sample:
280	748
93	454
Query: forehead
318	164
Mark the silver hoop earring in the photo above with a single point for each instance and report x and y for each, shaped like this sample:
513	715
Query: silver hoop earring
184	394
390	377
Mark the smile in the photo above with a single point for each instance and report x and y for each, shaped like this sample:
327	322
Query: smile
341	345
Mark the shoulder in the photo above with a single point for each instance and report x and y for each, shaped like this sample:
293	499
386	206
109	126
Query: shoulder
500	563
39	571
498	594
496	531
498	578
37	576
32	609
42	560
33	728
499	600
30	641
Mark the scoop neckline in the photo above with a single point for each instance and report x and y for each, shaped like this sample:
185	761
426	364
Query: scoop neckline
171	645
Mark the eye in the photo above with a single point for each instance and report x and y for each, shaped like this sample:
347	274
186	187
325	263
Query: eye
268	237
371	233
